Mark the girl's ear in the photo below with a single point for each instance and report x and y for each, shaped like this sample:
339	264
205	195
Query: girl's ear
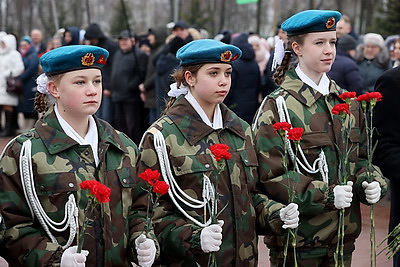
296	48
190	79
53	89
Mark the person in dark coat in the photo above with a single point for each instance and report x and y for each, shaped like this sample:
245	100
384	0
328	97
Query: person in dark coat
128	71
156	38
373	59
71	36
387	153
166	63
246	81
344	70
28	77
96	37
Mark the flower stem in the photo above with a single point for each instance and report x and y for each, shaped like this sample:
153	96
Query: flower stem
372	237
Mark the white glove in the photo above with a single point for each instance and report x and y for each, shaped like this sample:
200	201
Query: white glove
72	259
343	195
146	250
372	191
290	216
211	237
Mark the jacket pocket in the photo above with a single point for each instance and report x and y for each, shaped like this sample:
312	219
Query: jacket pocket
315	140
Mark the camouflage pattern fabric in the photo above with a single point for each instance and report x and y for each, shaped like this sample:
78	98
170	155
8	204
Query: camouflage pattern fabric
60	165
308	258
310	110
188	140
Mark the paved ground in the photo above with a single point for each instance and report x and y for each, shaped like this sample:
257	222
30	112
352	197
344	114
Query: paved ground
362	252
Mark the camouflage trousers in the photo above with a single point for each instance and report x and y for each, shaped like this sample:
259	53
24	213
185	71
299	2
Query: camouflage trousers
308	257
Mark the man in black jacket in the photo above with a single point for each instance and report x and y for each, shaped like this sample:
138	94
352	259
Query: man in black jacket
387	154
128	72
95	36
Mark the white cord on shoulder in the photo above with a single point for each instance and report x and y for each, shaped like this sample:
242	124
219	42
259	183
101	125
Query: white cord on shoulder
259	113
321	160
71	210
175	192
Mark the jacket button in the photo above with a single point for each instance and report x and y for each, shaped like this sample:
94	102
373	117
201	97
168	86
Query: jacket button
86	153
124	181
71	185
207	165
179	168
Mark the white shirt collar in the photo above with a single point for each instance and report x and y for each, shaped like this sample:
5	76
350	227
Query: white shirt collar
91	138
322	87
217	119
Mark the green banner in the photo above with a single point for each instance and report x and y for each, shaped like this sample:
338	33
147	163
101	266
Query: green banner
242	2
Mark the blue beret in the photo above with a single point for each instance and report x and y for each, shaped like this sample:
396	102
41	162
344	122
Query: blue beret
207	51
26	39
311	21
73	57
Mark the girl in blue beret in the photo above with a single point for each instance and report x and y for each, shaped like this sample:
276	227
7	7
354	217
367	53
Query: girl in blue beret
41	200
305	98
210	214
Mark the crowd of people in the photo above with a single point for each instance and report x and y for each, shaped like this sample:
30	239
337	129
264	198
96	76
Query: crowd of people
105	109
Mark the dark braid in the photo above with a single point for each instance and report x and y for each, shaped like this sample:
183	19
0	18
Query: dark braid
170	102
279	74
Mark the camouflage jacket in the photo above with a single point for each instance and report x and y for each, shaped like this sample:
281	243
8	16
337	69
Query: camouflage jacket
188	140
59	165
310	110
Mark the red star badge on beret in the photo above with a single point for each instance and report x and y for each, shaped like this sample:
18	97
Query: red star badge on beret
101	60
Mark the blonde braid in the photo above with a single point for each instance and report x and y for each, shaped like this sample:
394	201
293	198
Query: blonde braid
40	102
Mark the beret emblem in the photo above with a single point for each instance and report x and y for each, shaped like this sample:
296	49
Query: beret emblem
330	22
236	56
226	56
88	59
101	60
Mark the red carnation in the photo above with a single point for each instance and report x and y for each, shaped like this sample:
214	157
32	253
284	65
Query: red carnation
375	95
150	176
98	190
340	109
160	187
348	95
220	151
295	134
362	97
281	126
98	193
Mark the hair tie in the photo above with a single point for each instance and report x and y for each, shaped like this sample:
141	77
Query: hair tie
175	91
42	82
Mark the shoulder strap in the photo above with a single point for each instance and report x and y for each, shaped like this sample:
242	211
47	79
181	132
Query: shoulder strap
28	184
175	192
319	165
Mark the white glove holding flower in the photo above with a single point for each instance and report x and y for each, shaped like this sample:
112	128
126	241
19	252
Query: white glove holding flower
146	251
72	259
290	216
372	191
211	237
343	195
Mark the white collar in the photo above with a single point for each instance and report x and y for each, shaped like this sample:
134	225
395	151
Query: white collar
217	119
91	138
322	87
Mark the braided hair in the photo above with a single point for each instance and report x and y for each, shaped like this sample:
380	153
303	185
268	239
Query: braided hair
279	74
43	101
179	77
